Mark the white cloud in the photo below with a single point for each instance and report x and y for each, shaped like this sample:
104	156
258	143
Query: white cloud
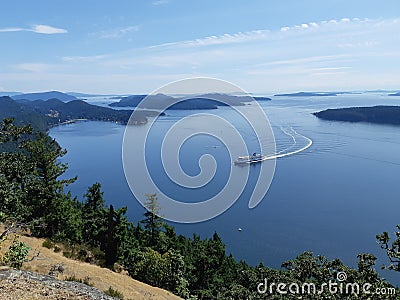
227	38
160	2
12	29
266	35
45	29
42	29
332	68
91	58
33	67
364	44
307	59
117	32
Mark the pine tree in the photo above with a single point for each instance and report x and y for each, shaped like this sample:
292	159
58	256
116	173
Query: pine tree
14	167
152	222
94	215
56	209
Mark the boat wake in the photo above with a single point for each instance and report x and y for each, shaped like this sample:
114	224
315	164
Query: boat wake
297	139
299	144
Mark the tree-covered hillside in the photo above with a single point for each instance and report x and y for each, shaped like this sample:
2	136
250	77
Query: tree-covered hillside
45	96
205	101
44	114
375	114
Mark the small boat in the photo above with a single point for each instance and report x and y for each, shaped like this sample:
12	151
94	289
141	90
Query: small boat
239	229
254	158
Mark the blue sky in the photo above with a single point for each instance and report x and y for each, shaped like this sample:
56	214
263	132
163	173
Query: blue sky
265	46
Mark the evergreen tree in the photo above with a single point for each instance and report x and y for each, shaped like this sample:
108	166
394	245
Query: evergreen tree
94	215
54	207
152	222
14	170
11	133
392	250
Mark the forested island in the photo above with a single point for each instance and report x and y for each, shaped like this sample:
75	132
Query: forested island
382	114
307	94
205	101
43	114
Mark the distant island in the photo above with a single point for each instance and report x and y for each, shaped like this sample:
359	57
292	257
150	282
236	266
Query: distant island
205	101
308	94
42	115
44	96
67	96
389	115
9	94
85	95
395	94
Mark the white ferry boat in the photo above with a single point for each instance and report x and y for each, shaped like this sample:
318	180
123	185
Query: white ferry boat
254	158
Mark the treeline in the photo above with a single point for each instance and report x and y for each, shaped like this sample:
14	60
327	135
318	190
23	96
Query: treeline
31	192
42	115
389	115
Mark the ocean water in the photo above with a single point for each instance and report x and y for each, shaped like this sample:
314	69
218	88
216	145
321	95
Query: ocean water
331	198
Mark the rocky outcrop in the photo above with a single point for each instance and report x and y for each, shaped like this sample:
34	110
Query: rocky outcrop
25	285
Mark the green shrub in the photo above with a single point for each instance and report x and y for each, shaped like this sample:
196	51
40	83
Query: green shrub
114	293
84	253
85	280
48	244
67	254
17	253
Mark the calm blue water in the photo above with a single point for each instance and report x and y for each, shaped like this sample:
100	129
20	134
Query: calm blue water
332	198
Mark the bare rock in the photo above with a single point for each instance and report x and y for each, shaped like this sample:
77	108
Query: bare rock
24	285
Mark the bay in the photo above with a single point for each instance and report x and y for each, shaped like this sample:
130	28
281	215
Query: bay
332	198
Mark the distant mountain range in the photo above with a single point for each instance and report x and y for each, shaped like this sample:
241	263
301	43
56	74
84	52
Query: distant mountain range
307	94
44	114
84	95
68	96
325	94
375	114
9	94
45	96
205	101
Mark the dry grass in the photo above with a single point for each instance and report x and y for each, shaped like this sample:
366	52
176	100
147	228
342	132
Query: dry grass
100	278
